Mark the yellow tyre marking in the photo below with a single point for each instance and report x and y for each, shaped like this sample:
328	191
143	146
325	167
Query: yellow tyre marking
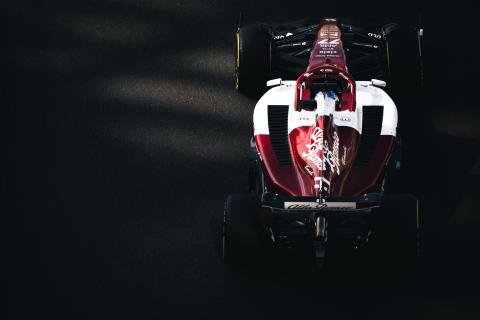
238	50
237	61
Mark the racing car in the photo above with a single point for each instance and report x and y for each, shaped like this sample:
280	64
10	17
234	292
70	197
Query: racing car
325	152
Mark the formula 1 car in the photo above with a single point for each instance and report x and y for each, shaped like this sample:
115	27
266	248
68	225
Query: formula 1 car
324	151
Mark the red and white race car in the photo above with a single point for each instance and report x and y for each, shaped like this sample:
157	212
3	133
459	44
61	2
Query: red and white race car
325	150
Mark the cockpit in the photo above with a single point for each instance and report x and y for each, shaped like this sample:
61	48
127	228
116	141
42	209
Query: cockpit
325	87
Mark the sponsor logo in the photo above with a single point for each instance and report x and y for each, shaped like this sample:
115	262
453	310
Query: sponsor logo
305	205
332	34
327	41
374	35
330	156
328	48
323	205
314	147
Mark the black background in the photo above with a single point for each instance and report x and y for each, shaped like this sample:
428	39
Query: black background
124	135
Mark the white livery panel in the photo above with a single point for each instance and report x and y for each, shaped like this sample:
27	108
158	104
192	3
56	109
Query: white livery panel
366	95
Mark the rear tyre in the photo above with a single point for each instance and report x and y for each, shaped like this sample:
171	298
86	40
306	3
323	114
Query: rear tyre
395	234
405	81
404	59
252	60
241	232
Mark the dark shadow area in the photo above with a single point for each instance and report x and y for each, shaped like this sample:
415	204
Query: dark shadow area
124	136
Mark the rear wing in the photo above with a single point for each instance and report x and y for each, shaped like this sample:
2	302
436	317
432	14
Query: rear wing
364	48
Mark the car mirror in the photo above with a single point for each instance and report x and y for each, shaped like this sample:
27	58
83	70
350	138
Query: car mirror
274	82
379	83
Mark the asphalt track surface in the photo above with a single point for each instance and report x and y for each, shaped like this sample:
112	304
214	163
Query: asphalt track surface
128	135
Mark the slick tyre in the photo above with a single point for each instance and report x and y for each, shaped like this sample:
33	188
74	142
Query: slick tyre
241	233
404	59
252	60
395	234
